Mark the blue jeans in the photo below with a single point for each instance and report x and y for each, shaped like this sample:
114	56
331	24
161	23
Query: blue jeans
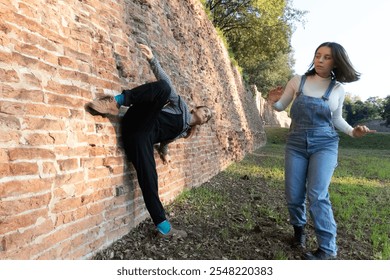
310	160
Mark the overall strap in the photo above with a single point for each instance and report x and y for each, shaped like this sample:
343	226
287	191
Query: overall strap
329	90
303	80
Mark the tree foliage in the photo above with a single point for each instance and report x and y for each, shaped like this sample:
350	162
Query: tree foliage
386	110
258	33
356	111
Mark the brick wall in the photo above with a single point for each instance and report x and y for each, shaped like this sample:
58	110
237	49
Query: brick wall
66	190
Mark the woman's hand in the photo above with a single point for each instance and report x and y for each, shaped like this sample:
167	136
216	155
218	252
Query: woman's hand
146	51
274	95
361	130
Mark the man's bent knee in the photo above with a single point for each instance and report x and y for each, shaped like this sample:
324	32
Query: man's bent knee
164	86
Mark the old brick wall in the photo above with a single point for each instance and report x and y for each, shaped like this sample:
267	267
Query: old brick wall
66	190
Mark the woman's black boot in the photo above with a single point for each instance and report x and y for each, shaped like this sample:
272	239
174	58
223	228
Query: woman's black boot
299	240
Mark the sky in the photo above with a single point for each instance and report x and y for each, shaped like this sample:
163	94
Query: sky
361	27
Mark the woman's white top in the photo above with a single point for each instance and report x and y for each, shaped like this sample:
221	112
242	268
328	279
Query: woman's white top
316	86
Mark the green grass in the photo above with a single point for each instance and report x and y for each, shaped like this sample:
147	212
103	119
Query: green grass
360	189
374	141
204	200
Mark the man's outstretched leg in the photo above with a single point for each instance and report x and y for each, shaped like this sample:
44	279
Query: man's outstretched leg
155	93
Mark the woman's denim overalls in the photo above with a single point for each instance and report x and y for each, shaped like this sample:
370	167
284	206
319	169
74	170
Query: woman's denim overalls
310	160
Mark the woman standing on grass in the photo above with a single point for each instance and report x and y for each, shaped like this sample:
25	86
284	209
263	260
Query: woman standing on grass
312	143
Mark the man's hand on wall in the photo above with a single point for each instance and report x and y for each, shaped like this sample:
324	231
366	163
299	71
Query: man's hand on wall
147	52
163	152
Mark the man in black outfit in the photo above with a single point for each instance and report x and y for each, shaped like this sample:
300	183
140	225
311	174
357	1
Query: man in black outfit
156	114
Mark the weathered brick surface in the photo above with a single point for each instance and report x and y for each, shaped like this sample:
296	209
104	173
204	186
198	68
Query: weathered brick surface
66	189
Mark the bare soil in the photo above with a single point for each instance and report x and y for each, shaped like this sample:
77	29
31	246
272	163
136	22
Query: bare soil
224	231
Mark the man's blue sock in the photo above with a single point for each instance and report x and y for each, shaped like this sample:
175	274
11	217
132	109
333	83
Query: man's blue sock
120	99
164	227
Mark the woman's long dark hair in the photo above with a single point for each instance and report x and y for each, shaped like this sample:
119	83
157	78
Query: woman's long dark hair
343	71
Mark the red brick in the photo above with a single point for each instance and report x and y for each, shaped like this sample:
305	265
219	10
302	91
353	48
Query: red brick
23	168
10	137
19	240
45	110
33	51
67	62
68	164
98	183
72	215
4	169
45	124
48	168
62	151
69	178
12	223
63	100
65	89
20	254
70	203
9	122
23	187
117	170
3	155
21	94
27	10
91	162
98	172
18	206
98	151
32	81
37	139
30	153
96	208
32	63
9	76
79	114
44	42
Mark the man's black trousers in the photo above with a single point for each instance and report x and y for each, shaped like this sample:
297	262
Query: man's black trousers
144	125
